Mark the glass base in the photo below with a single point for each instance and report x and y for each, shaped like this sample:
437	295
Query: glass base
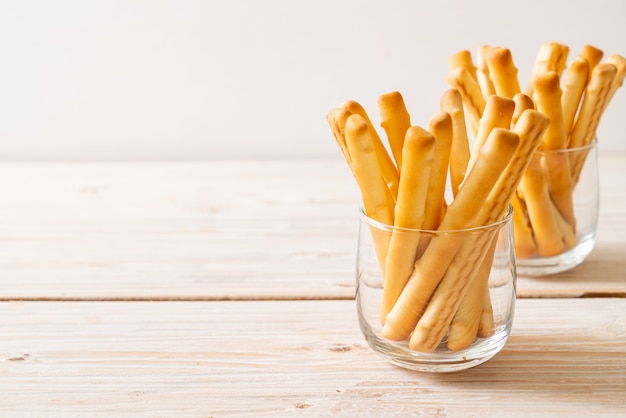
442	360
544	266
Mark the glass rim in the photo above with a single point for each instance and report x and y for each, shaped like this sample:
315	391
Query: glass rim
508	216
580	148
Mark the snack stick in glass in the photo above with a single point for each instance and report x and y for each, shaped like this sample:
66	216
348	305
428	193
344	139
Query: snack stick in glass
592	54
473	100
574	83
466	321
522	102
503	72
452	103
377	202
548	237
620	64
497	114
463	58
417	160
482	71
556	165
593	105
395	120
387	166
552	56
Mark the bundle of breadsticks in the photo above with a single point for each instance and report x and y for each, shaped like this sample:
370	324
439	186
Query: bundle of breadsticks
437	287
573	98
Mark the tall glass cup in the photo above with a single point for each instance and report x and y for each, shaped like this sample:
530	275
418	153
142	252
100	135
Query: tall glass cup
455	310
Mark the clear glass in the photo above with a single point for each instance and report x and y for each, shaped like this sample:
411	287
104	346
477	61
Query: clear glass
577	237
475	262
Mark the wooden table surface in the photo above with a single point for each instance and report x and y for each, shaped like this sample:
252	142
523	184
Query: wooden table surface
224	289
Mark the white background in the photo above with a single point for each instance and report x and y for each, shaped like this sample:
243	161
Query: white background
190	79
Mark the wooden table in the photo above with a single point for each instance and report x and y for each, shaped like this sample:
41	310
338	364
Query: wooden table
226	289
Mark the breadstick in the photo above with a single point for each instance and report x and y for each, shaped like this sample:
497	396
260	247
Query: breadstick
377	202
430	268
387	167
473	100
592	107
530	129
466	320
486	325
482	72
503	72
440	311
592	54
417	159
596	93
452	103
367	170
548	236
548	97
522	102
395	120
336	119
573	87
497	114
440	126
620	64
525	246
462	58
552	56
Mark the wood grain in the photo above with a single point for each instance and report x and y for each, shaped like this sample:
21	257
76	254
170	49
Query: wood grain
221	230
565	357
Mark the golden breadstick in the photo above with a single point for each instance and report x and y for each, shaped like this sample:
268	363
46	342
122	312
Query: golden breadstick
620	63
503	72
367	170
462	58
552	56
440	126
395	120
486	326
522	102
430	268
336	119
592	107
417	159
377	202
573	87
473	100
548	236
530	129
525	246
482	72
558	174
466	320
452	103
592	54
596	93
497	114
387	167
463	269
548	98
567	230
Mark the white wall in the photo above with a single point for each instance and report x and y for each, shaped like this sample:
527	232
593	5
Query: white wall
185	79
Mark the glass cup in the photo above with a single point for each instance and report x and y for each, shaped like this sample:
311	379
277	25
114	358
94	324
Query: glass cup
455	310
556	218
